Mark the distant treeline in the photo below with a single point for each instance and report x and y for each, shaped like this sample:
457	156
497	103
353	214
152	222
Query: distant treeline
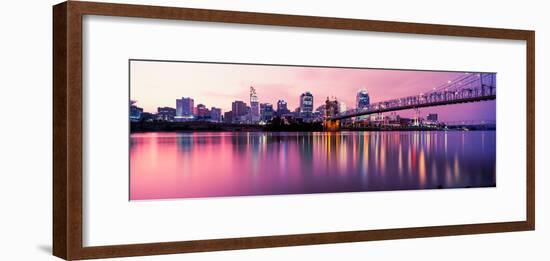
280	124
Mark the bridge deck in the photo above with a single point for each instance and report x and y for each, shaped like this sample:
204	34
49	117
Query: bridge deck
414	106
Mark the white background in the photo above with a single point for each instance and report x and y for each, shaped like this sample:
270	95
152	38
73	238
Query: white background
109	218
26	131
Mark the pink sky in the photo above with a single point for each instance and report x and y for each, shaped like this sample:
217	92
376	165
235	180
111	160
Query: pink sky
158	84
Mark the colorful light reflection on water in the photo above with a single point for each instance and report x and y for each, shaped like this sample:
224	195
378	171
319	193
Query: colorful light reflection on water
214	164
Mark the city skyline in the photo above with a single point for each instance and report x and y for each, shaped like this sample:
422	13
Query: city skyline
274	130
158	84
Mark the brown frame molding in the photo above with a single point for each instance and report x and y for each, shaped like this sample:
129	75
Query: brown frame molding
67	129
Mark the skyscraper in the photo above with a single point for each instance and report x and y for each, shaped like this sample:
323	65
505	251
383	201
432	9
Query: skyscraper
239	110
228	117
266	112
254	106
306	106
215	114
202	112
282	108
184	109
362	99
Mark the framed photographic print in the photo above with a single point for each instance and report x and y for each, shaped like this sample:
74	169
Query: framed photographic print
217	130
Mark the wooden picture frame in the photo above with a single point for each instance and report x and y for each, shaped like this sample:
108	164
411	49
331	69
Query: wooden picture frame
68	145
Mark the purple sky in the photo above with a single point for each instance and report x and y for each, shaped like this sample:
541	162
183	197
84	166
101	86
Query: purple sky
158	84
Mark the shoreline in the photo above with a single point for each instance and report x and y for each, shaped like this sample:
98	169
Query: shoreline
144	127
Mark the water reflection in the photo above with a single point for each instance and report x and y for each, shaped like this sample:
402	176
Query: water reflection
182	165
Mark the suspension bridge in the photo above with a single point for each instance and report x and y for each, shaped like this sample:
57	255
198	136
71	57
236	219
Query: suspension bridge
470	87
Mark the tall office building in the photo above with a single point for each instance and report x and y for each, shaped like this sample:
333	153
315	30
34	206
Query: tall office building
306	106
282	108
266	112
215	114
254	106
239	110
184	109
202	112
362	99
228	117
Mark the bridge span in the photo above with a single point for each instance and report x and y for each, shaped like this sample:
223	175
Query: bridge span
470	87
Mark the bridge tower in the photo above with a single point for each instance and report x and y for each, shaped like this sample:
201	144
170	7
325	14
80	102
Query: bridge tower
332	109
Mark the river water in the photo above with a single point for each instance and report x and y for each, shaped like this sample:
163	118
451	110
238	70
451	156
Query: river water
167	165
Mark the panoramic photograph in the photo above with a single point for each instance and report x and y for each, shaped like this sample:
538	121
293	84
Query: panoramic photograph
204	129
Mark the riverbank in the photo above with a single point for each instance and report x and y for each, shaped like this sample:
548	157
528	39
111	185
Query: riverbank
197	126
